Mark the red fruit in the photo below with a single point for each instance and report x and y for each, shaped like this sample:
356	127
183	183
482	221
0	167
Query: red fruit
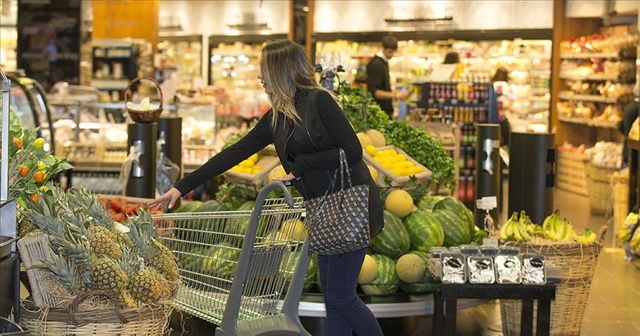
118	217
130	209
105	204
118	203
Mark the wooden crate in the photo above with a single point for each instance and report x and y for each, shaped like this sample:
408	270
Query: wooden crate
396	181
571	172
265	161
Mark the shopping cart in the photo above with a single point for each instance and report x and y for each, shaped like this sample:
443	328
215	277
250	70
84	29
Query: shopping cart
235	266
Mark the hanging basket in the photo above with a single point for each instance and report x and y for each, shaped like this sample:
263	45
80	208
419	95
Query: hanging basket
577	264
143	116
85	316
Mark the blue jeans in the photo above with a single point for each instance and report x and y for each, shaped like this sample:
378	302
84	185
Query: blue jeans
345	311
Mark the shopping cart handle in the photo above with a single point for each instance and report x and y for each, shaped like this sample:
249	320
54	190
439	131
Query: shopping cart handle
262	195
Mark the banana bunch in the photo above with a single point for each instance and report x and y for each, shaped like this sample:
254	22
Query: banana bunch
634	243
556	229
518	228
587	237
628	227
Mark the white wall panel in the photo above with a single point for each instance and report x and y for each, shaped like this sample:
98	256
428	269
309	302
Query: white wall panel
364	15
585	8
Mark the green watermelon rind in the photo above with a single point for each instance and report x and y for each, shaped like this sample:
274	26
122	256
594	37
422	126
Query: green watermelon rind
386	281
456	231
189	207
394	239
425	231
460	210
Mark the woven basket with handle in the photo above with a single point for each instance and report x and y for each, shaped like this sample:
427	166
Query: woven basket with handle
146	116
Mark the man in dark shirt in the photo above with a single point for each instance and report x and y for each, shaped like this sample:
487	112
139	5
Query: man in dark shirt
378	81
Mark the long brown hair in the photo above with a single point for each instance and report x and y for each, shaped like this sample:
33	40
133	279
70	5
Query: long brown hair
285	68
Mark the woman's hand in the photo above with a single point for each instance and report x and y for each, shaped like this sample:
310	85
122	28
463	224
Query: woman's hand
167	200
288	177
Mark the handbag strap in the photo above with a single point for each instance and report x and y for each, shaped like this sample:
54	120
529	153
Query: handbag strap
344	169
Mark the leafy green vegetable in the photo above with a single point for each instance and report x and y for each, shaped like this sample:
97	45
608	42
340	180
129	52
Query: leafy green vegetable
364	113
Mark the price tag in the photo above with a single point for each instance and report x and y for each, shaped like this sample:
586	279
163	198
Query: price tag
493	242
487	203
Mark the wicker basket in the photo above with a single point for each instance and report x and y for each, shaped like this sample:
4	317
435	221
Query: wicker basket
599	185
79	318
147	116
577	264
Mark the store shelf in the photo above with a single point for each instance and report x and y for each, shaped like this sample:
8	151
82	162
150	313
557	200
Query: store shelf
589	55
113	84
596	77
568	95
590	122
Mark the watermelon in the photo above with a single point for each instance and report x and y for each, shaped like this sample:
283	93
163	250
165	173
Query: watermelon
426	284
460	210
189	207
394	240
386	281
220	260
425	231
236	227
456	231
289	266
209	206
428	201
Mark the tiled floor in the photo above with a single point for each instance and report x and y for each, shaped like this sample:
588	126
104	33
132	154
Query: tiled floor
612	308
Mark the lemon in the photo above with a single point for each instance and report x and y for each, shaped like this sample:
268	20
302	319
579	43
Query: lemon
254	158
371	150
277	172
246	164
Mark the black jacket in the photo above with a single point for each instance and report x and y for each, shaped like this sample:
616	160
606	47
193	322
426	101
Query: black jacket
378	79
308	149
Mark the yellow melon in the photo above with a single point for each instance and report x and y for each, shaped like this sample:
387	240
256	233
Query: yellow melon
399	203
294	229
374	173
410	268
368	271
377	138
364	139
277	172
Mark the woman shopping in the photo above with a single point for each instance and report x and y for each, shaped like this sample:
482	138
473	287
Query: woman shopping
309	131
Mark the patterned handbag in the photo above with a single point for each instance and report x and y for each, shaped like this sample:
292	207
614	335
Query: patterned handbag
339	222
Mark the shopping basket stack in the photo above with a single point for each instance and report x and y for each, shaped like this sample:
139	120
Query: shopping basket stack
236	265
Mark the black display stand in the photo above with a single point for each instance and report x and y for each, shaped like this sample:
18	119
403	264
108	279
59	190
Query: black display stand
170	130
445	304
487	170
142	176
531	174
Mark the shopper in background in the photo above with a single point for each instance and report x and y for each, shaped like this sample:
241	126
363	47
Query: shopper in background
307	140
630	113
378	79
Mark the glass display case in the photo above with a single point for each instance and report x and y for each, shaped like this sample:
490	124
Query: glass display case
181	54
29	102
233	72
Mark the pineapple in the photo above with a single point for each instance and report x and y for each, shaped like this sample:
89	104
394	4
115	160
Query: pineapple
154	253
128	300
148	286
67	274
107	275
104	242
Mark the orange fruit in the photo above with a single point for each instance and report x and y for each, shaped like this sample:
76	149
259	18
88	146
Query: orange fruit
39	176
34	197
24	171
18	142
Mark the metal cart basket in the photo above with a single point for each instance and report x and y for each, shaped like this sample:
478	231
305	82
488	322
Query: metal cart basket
235	266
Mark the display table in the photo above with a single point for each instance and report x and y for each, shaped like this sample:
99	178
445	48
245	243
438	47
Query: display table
445	315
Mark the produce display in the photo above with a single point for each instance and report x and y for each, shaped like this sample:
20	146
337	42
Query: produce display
554	229
629	235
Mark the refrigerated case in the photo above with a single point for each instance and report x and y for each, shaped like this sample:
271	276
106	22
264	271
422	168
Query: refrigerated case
29	102
181	53
233	72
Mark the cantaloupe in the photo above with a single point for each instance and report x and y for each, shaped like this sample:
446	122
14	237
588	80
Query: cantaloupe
294	229
410	268
374	173
399	203
364	139
377	138
368	271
